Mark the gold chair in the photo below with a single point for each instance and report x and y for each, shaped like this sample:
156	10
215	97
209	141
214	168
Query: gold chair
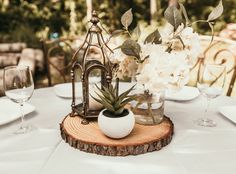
57	55
220	51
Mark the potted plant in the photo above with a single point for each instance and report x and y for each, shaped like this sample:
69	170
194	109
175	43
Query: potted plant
115	120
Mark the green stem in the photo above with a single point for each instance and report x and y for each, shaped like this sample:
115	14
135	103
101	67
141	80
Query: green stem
189	25
127	31
150	113
198	21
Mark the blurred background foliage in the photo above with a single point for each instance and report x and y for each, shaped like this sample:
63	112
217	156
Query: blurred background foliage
31	20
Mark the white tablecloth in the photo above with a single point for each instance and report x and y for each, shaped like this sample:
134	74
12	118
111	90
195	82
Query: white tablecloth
194	149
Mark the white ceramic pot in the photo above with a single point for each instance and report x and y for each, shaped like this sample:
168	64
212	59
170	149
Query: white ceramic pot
116	127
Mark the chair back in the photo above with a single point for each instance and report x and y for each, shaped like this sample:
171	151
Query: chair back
221	51
58	54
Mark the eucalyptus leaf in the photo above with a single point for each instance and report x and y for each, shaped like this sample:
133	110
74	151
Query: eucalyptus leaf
183	10
127	18
117	33
131	48
137	32
173	16
216	12
154	37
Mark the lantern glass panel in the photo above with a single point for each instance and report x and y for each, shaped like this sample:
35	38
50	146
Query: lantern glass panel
95	77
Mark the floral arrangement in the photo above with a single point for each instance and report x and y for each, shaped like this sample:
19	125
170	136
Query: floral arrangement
163	59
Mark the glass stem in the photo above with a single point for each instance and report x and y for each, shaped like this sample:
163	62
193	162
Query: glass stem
22	114
207	107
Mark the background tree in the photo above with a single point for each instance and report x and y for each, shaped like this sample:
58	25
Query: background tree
30	20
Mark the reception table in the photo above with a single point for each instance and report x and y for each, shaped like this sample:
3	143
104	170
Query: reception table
193	149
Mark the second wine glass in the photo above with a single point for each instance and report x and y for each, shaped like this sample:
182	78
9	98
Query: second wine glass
210	84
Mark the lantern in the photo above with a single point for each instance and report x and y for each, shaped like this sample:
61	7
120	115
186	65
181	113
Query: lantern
93	39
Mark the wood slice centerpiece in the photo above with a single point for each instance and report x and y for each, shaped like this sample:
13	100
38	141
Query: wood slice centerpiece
90	139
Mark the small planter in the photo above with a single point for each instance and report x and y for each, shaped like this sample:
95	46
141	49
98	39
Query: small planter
116	126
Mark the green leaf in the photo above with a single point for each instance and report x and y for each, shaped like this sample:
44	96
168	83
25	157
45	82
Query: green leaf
154	37
114	90
126	101
131	48
117	47
103	98
110	94
127	18
102	92
117	104
173	16
105	103
183	10
119	111
137	32
99	101
117	33
125	94
216	12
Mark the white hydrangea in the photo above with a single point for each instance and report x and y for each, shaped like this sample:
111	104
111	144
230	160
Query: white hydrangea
127	68
192	44
190	39
162	70
117	56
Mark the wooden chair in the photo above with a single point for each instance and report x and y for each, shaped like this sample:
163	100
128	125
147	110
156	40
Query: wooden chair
221	51
57	55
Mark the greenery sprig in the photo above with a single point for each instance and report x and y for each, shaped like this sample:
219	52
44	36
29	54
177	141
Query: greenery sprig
173	15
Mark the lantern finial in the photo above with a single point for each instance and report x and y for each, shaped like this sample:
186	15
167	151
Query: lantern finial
94	18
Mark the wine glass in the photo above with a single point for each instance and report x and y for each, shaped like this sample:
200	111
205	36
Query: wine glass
210	84
19	86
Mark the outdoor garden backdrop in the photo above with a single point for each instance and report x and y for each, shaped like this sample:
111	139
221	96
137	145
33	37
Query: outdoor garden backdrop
31	20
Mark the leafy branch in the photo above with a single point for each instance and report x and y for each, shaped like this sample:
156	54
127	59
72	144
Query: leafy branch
173	15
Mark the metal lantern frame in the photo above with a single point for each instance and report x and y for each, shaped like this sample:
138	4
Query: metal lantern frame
88	65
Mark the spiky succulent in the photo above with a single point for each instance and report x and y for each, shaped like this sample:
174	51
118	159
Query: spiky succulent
113	102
